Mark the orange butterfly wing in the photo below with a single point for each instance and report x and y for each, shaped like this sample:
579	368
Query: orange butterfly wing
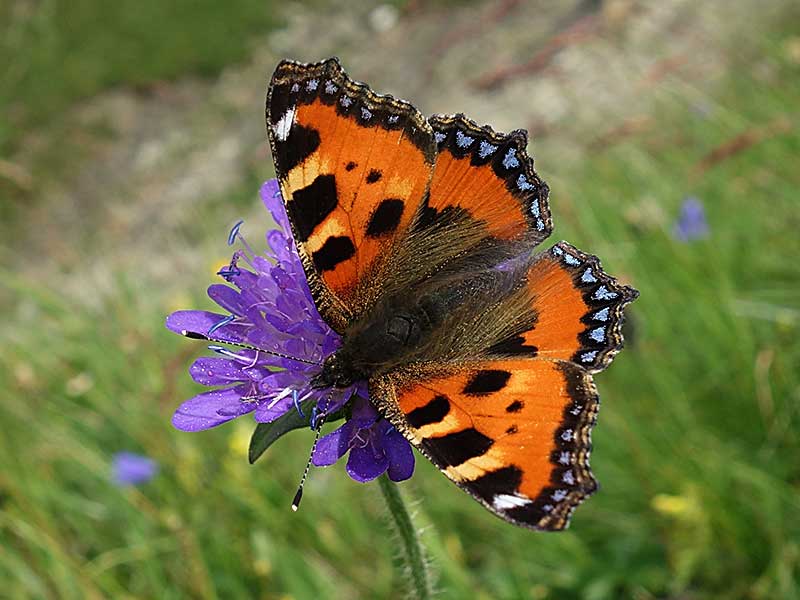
578	310
513	430
514	434
353	167
490	176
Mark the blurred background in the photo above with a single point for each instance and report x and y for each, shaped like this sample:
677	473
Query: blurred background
132	138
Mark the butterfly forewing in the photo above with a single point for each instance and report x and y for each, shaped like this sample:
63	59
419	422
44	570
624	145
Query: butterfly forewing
353	168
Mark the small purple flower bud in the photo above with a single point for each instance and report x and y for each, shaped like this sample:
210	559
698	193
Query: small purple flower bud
128	468
691	223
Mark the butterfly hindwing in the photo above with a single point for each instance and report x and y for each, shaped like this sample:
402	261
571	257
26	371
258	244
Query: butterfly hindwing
514	434
490	176
510	422
353	167
576	310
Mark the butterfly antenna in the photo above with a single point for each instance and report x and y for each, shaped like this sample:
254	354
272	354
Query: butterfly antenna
317	425
199	336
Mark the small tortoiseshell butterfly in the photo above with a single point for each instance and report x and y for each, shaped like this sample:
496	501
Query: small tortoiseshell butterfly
416	236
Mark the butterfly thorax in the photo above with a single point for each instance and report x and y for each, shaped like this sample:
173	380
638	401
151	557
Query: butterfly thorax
377	343
409	328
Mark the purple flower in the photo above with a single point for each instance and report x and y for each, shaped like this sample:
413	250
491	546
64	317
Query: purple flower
271	308
691	223
128	468
375	446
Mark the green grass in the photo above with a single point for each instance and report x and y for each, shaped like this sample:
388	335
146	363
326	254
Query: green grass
697	447
56	53
60	51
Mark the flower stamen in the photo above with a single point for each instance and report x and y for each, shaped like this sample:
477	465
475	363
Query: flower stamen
225	352
254	395
297	404
229	272
357	438
248	252
280	397
322	414
234	233
222	323
255	360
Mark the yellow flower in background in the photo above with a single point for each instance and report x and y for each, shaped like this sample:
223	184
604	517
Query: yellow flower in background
684	506
239	440
791	49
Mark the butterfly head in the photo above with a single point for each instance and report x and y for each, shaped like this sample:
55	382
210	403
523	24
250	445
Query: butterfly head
336	372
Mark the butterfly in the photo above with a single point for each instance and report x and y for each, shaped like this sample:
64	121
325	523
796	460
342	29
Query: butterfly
416	236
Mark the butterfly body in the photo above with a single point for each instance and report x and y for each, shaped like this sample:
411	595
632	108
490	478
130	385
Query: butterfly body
436	319
417	237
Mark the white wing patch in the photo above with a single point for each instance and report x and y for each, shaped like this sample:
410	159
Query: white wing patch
506	501
284	124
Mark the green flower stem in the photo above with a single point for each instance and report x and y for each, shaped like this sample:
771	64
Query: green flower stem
412	549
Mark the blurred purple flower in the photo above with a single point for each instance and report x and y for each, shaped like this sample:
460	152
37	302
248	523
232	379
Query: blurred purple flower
128	468
271	308
691	223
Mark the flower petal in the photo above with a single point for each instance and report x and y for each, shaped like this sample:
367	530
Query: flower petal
333	399
200	322
277	381
271	197
302	347
242	278
281	245
227	297
363	411
278	384
400	454
365	463
213	408
332	447
217	371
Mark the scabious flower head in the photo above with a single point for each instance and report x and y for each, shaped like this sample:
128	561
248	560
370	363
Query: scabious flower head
691	223
128	468
270	308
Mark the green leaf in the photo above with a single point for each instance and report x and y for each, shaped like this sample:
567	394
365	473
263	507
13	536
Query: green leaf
267	433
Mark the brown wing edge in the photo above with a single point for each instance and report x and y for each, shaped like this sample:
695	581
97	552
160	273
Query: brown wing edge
508	156
299	82
605	296
555	504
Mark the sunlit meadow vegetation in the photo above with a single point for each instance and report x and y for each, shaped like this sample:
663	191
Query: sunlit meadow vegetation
697	447
86	46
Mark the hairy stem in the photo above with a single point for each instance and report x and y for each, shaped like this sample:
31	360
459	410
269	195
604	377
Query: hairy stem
412	548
